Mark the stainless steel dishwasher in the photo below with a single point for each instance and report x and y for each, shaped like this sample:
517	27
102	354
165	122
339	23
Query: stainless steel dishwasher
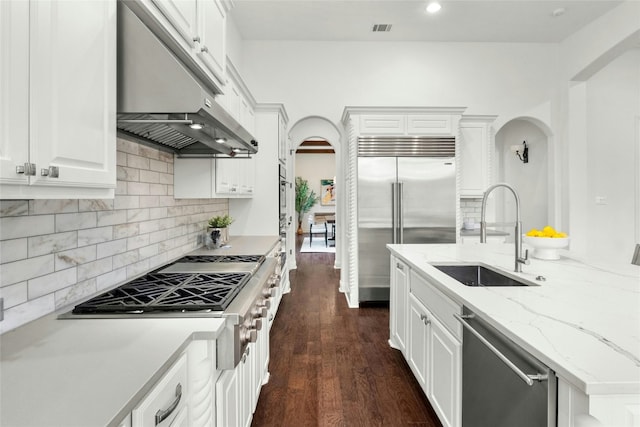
503	385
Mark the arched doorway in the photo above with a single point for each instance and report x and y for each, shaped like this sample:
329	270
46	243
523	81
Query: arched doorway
531	179
316	128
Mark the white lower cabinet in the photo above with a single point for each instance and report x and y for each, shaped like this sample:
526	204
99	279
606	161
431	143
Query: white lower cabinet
398	299
228	398
445	374
418	341
238	390
433	344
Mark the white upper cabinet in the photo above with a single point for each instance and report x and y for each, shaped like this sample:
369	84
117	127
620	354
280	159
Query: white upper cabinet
64	144
183	16
194	30
211	48
474	147
14	90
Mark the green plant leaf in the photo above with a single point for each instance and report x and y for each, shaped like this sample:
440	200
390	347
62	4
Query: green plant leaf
305	197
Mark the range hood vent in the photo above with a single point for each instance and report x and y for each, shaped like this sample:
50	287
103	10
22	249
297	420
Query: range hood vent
161	103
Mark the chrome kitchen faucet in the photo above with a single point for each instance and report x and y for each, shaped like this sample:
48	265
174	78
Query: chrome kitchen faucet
518	238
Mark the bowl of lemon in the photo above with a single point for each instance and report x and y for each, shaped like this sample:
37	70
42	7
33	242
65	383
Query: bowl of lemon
546	242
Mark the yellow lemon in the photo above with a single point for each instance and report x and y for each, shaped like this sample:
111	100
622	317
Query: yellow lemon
548	231
532	233
560	235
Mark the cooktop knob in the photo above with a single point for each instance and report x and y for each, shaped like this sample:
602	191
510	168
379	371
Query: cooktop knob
269	293
260	312
250	335
265	303
256	324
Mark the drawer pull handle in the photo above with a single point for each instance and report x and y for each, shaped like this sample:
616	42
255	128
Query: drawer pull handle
162	414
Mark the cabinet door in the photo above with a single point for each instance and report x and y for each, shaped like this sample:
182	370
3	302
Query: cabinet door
247	173
213	30
227	403
182	14
227	176
247	390
398	304
73	92
474	146
418	341
429	124
444	379
14	90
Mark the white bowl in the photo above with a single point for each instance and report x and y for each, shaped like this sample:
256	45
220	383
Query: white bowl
546	247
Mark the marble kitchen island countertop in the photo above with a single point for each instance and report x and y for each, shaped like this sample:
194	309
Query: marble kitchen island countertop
583	321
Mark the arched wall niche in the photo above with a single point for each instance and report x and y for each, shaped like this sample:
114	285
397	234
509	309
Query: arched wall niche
533	181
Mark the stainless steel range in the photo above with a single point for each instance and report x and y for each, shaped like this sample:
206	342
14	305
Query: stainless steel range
236	287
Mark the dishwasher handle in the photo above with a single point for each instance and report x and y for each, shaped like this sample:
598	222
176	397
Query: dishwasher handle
527	378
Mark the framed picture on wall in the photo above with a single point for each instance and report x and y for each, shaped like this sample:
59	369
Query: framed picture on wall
328	195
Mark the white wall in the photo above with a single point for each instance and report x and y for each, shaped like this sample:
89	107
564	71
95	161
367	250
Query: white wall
613	108
313	168
321	78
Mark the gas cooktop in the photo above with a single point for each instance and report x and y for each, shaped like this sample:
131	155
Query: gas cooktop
168	292
222	258
215	263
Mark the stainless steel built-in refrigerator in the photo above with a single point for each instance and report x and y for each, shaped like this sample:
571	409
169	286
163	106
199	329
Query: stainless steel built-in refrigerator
406	194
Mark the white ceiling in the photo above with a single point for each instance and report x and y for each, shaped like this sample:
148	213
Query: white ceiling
458	21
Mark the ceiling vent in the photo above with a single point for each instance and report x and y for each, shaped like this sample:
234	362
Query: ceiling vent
381	28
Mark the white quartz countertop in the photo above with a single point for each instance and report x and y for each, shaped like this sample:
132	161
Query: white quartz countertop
242	245
92	372
583	321
88	372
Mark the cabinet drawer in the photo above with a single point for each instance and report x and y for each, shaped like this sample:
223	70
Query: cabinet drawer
438	303
163	397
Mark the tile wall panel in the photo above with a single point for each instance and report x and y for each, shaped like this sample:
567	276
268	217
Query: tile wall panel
56	253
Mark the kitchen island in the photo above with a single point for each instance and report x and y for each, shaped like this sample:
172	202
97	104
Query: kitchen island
582	320
94	372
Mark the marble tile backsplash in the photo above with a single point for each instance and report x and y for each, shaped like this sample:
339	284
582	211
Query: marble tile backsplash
55	253
471	208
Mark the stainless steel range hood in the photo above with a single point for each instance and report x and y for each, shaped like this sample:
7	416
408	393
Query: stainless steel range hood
160	102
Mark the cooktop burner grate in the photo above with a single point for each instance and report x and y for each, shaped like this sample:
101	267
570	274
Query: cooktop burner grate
222	258
169	292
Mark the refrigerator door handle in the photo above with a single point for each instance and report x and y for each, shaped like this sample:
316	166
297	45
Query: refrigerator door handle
400	212
394	226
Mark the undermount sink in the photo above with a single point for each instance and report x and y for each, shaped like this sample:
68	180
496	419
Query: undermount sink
480	275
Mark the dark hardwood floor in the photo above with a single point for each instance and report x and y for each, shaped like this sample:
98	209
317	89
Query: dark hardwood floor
331	365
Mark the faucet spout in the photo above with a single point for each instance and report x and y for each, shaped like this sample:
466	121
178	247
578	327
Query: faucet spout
519	260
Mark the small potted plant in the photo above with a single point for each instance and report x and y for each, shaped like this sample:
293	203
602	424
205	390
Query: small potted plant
217	229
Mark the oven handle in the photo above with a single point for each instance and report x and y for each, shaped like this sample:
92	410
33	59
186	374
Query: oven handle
162	414
527	378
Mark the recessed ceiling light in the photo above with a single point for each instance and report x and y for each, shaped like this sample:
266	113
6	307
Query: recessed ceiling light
196	125
558	12
433	7
221	140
